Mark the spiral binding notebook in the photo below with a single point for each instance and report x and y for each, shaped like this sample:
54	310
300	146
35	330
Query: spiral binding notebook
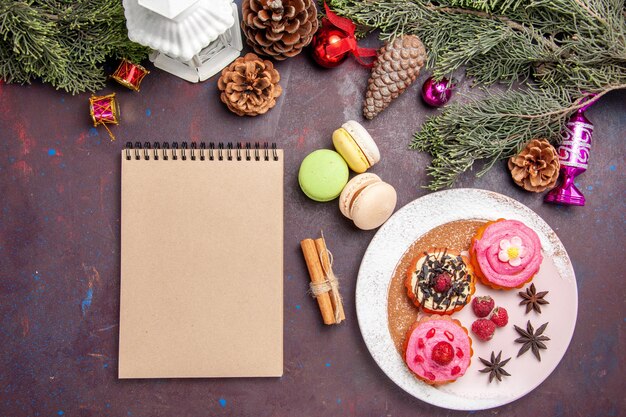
201	261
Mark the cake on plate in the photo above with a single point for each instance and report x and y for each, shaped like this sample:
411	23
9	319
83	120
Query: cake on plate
440	281
438	349
505	254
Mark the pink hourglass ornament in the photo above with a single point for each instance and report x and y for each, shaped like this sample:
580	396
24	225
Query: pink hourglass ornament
574	158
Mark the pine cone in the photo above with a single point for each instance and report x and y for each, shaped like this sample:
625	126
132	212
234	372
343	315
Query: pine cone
536	167
249	86
279	28
397	66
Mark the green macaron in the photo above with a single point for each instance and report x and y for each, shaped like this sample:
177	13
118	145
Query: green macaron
323	174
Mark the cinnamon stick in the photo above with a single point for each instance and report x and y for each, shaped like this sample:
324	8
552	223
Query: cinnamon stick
335	299
316	274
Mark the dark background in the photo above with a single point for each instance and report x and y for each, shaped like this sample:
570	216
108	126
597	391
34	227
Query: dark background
59	237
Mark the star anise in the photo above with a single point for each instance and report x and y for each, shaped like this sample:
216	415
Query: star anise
532	299
495	367
532	339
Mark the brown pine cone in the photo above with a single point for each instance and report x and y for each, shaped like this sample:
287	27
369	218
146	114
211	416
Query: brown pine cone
536	167
279	28
397	66
249	86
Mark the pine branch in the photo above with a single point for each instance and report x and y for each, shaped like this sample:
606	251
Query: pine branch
63	43
559	50
488	129
493	128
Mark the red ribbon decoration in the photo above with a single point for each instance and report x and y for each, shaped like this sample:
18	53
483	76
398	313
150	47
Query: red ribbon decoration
349	43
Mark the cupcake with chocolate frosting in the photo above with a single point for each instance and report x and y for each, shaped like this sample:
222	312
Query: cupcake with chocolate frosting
440	281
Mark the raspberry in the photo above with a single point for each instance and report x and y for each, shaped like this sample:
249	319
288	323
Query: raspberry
430	376
443	282
455	370
484	329
499	316
430	333
459	353
482	306
419	359
442	353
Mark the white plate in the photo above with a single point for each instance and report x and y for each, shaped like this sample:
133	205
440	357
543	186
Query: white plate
472	391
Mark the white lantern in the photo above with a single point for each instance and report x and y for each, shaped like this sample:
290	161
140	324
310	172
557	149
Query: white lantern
192	39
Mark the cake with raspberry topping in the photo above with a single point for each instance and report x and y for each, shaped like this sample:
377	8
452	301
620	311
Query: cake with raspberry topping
505	254
438	349
440	281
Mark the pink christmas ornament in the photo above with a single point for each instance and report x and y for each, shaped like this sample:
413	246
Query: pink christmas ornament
574	158
437	93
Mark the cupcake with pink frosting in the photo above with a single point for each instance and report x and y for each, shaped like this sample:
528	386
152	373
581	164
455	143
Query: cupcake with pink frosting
505	254
437	349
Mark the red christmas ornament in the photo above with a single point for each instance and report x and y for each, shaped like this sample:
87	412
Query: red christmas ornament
129	74
335	39
328	35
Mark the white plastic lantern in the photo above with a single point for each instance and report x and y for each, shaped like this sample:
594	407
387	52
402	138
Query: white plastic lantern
192	39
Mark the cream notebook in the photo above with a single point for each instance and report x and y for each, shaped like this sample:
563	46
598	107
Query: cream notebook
201	261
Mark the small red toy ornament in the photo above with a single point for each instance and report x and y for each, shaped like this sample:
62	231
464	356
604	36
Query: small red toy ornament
129	74
104	110
437	93
335	39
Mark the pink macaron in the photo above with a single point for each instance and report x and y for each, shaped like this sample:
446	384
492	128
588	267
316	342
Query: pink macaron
368	201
